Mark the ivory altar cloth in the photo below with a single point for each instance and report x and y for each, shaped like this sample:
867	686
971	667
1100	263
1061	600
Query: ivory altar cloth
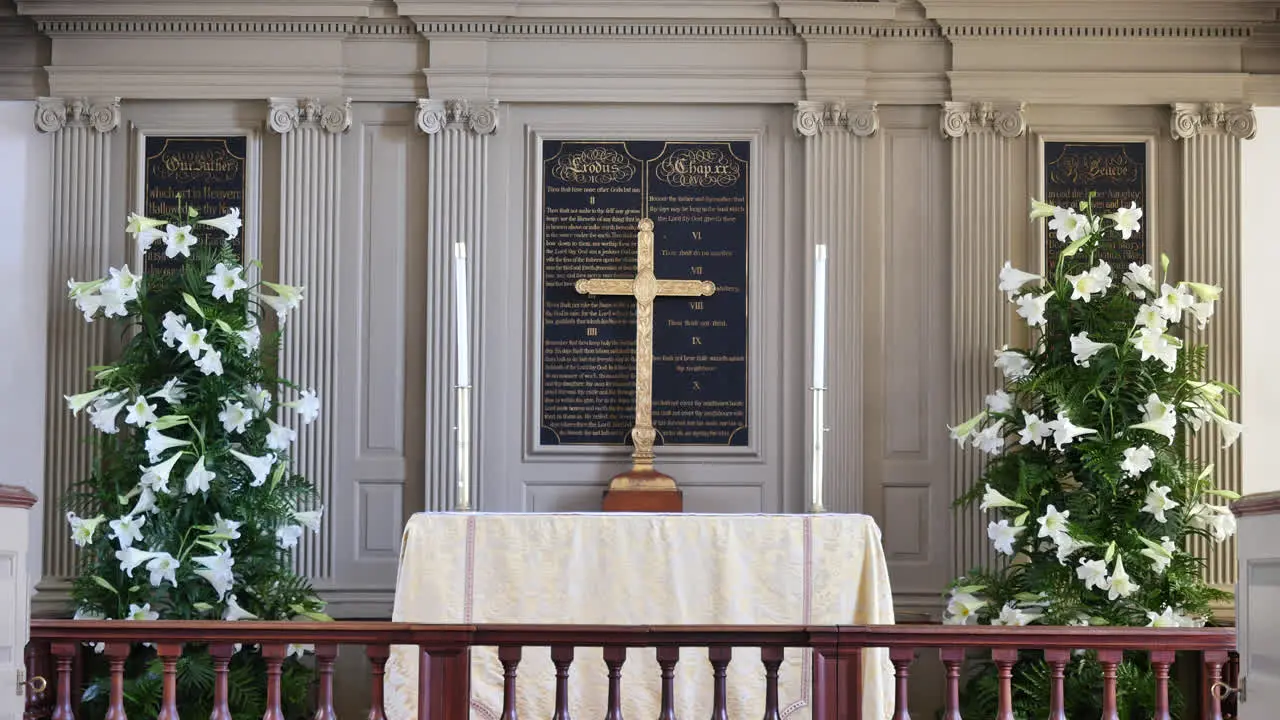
641	569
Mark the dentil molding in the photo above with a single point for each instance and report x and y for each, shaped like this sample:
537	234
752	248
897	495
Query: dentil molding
287	114
477	116
960	118
53	114
1190	119
813	117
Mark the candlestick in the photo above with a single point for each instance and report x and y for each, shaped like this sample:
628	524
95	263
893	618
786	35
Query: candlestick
460	309
819	389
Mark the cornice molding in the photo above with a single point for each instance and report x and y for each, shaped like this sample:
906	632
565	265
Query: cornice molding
1108	12
54	114
622	28
1187	120
961	118
124	25
1078	31
814	117
477	116
288	114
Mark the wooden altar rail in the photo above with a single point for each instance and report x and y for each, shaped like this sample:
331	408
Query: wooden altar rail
445	683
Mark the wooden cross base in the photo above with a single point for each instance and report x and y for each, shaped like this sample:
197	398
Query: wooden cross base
655	501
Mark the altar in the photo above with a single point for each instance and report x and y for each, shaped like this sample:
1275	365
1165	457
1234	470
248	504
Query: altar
641	569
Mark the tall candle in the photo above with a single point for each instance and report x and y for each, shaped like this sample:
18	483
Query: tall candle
460	307
820	316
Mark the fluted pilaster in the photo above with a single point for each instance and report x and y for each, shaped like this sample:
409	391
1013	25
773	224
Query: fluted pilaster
458	145
1209	136
82	232
311	135
986	207
834	138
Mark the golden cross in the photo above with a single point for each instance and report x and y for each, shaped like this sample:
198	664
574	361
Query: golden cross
644	288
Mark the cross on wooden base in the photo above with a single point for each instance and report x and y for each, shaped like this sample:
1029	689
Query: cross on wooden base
644	288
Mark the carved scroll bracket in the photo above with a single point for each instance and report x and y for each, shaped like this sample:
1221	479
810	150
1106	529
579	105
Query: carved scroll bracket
813	117
288	114
960	118
1190	119
101	114
477	116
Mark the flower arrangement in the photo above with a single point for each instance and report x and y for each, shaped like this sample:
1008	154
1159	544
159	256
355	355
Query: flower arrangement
190	511
1090	487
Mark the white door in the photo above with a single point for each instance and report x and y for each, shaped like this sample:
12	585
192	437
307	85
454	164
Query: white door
1258	622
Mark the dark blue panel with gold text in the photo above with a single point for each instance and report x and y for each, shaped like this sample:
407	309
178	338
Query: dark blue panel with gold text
1116	172
207	173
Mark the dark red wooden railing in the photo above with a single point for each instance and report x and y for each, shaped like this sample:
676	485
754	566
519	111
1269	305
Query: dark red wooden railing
444	684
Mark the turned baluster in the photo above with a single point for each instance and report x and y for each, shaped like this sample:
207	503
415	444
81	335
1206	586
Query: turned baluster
169	653
274	655
772	658
1160	662
509	656
901	657
562	657
1004	659
614	656
1057	660
221	654
117	653
377	655
325	656
720	657
1213	662
1109	660
952	660
668	656
63	653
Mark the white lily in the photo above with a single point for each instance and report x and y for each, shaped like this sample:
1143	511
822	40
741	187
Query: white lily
962	609
299	650
287	298
1155	344
1127	220
156	477
1066	546
163	568
112	302
146	502
131	557
235	612
307	406
127	530
990	439
234	416
1084	286
1002	535
1160	554
83	529
259	466
229	223
210	363
89	305
1082	348
148	237
1013	364
1172	301
309	519
279	436
192	341
1137	460
259	398
137	223
1012	279
1013	616
1140	280
1158	417
1204	292
960	433
1032	307
1042	209
142	613
1164	619
1217	520
1229	430
103	415
76	403
178	241
198	478
1093	573
1158	501
992	498
124	282
287	536
174	325
1064	431
216	570
1034	430
227	528
1053	523
141	413
251	338
1069	225
226	281
1202	312
1119	585
999	402
173	392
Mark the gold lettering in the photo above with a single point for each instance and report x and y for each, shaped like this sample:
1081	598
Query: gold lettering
696	340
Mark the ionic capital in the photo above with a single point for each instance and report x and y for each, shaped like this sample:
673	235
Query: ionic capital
1188	120
54	114
288	114
1007	119
814	117
477	116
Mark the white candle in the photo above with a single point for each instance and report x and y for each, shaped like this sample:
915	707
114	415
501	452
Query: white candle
460	307
820	316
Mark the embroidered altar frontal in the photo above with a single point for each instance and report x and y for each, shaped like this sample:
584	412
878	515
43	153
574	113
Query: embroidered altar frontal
641	569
